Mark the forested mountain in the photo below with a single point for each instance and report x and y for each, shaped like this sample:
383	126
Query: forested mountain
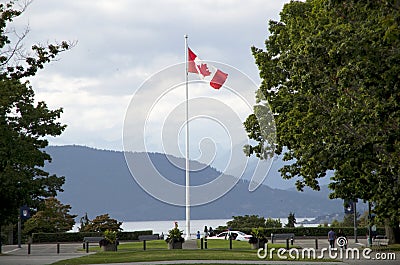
99	181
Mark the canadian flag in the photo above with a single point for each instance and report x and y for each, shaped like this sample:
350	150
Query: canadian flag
206	71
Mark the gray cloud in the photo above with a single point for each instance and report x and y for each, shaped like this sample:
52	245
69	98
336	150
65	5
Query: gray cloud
121	43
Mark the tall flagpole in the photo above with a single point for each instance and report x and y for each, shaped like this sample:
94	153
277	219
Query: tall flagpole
187	144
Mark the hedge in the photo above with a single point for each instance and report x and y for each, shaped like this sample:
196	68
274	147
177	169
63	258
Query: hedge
312	231
78	236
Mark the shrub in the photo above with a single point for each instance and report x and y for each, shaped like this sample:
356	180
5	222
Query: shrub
78	236
308	231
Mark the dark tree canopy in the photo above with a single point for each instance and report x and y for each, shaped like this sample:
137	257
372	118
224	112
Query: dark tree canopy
273	223
330	74
291	220
24	124
246	221
52	217
101	223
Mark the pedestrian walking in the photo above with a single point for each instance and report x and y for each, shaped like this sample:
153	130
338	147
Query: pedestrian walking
331	238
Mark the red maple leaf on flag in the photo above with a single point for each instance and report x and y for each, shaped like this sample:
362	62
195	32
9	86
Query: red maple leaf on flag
203	68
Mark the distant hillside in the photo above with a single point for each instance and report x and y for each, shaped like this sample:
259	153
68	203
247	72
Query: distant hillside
98	181
323	192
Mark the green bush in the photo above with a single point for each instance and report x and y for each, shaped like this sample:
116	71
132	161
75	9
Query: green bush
78	236
309	231
133	235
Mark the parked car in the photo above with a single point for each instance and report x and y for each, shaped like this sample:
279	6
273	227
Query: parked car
236	235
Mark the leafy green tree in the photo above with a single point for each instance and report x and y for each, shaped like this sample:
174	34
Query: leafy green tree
102	223
52	217
325	224
246	221
273	223
330	75
363	220
291	220
24	124
348	220
84	221
335	223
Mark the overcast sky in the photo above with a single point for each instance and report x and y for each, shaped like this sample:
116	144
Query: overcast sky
122	44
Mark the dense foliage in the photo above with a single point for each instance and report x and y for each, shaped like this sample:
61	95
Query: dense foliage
52	217
259	236
330	73
24	124
311	231
252	221
291	220
246	221
101	223
175	235
78	236
273	223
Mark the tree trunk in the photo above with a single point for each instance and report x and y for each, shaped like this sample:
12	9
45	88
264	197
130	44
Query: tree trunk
392	231
0	240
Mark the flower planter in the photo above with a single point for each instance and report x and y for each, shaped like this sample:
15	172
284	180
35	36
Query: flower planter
109	247
110	241
175	239
254	246
174	245
257	245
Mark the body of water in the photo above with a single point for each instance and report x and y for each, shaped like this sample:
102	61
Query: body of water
159	227
162	227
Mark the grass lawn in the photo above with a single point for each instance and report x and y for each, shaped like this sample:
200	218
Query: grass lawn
213	244
157	251
224	244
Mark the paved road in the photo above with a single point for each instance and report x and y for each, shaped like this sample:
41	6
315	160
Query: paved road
41	254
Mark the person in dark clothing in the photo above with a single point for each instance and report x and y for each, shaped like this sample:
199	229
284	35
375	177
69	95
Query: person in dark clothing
211	231
344	242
